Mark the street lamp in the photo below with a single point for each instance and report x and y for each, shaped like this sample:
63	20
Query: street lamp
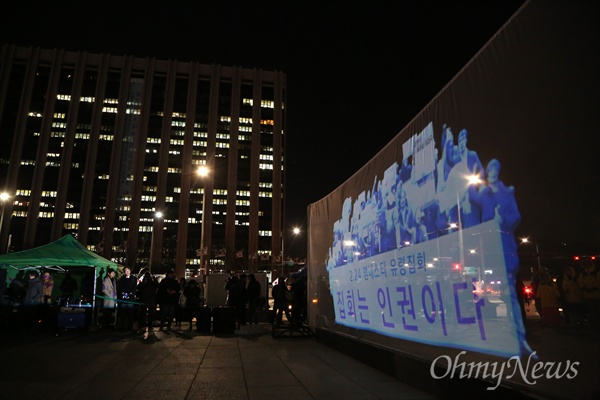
472	180
4	196
296	231
537	251
157	215
202	172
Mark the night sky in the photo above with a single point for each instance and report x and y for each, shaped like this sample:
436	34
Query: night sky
357	72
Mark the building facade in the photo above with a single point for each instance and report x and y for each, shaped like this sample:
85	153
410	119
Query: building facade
107	148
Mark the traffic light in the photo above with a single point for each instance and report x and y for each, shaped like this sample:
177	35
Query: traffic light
456	266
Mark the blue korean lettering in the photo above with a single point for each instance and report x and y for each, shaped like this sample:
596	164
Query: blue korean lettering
407	306
362	307
411	263
431	312
477	302
350	303
382	296
340	304
421	260
393	267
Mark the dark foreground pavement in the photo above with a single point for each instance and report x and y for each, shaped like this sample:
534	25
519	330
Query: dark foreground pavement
106	364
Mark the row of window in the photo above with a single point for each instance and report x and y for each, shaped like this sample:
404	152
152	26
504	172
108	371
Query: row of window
89	99
216	192
148	229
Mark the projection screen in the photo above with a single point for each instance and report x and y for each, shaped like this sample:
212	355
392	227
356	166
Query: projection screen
418	247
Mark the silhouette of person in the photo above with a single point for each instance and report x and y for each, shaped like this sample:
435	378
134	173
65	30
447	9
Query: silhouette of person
549	297
168	297
126	290
239	299
35	289
298	290
18	288
34	298
180	313
68	287
253	295
280	302
573	296
146	292
192	303
590	283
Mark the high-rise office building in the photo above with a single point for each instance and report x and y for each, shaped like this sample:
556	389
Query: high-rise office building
107	148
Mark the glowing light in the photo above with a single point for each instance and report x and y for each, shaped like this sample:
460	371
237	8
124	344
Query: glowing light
202	170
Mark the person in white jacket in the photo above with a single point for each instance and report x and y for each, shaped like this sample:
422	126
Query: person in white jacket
109	291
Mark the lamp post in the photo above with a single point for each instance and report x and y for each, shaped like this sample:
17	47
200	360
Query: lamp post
157	215
472	180
296	231
4	196
537	251
202	172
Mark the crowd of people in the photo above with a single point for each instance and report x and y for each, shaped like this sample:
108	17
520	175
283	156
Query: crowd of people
576	291
140	303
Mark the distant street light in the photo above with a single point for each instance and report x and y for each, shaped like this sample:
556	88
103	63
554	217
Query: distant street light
296	231
202	170
537	250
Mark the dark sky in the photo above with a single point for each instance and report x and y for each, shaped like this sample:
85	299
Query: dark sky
357	72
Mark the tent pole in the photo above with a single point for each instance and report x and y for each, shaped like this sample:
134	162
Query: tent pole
94	314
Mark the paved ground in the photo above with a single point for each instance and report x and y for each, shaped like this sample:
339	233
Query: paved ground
185	365
106	364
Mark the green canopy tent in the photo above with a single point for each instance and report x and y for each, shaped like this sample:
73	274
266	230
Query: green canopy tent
60	255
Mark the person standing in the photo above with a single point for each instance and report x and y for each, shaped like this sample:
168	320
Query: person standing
236	298
35	291
590	283
280	302
48	287
34	298
180	313
240	301
573	296
126	290
168	297
298	290
68	287
192	303
549	297
146	293
109	291
253	295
